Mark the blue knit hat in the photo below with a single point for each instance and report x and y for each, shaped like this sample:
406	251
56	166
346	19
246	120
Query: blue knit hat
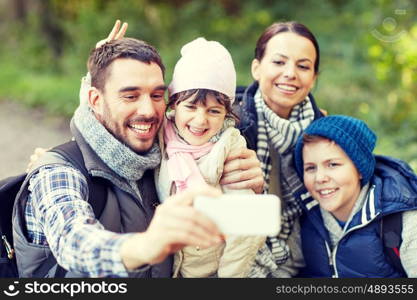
352	135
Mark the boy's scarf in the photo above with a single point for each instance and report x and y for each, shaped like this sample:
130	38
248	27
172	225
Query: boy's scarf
336	232
117	156
182	166
282	134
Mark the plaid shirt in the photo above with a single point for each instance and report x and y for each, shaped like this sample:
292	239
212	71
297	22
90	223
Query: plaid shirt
57	215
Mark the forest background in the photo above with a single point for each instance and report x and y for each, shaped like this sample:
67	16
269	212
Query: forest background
368	51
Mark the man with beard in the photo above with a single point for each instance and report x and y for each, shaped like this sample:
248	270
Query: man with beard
116	132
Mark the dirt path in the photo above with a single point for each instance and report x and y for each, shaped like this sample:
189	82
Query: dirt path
21	131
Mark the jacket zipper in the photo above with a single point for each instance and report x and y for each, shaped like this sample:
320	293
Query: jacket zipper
345	234
331	262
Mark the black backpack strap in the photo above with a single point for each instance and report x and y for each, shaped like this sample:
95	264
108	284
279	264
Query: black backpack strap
391	230
9	188
97	198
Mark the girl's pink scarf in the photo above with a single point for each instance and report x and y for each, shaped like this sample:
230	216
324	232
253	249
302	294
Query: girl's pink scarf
182	166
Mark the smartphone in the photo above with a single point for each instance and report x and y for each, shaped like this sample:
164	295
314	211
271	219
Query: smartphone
241	214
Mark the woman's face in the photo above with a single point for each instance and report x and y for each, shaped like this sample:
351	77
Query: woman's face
286	72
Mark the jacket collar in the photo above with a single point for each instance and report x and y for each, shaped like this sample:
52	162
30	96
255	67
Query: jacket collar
395	184
247	112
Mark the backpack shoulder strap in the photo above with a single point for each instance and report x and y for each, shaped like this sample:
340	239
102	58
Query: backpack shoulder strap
97	198
391	230
9	188
97	189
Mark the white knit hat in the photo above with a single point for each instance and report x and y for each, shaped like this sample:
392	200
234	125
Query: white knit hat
204	65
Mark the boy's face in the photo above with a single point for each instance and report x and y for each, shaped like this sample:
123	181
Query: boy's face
198	123
331	177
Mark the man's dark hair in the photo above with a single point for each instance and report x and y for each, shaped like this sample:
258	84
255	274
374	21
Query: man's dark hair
100	58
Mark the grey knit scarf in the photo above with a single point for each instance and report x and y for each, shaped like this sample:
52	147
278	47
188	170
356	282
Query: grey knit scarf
117	156
282	134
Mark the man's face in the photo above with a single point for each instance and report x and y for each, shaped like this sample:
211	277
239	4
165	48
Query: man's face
132	105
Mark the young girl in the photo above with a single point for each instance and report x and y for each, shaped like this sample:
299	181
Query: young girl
350	192
198	135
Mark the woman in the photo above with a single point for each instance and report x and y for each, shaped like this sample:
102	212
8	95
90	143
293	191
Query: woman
274	111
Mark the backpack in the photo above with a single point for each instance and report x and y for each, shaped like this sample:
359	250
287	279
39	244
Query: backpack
14	188
390	231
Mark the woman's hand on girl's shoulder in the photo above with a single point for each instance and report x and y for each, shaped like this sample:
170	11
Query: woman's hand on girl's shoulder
242	170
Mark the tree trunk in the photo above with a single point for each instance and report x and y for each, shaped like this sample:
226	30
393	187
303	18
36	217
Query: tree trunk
50	27
20	10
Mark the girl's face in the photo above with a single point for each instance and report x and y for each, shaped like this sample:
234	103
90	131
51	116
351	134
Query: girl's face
198	123
331	177
286	72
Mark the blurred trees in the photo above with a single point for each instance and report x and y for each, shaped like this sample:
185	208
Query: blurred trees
368	50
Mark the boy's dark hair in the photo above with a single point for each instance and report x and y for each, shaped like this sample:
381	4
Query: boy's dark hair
100	58
310	139
201	97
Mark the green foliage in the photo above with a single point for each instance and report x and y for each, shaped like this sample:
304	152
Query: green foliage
56	92
366	71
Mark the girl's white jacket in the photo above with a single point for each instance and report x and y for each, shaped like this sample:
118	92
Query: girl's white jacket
236	255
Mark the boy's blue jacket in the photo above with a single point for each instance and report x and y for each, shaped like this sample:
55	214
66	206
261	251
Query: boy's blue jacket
360	252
